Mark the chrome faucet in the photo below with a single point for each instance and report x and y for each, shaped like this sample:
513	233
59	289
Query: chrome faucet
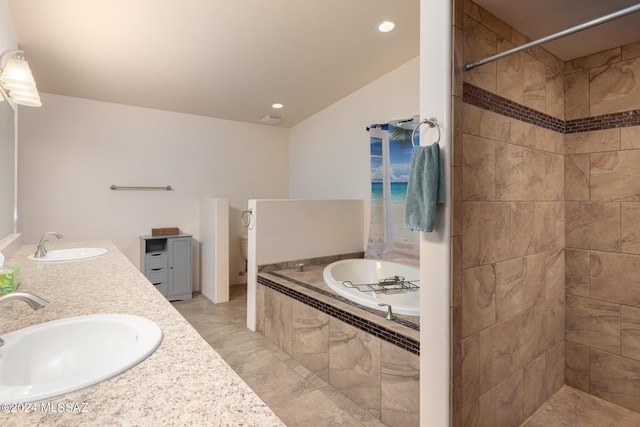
34	302
41	251
389	315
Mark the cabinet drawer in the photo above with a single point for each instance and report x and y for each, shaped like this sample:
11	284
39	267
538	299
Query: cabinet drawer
157	275
155	260
162	287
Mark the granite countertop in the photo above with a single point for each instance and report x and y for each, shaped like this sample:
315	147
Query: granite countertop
184	382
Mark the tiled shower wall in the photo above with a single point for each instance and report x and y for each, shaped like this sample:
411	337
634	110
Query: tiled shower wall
602	193
508	233
531	191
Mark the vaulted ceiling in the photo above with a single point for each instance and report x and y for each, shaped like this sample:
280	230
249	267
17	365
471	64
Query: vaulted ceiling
232	59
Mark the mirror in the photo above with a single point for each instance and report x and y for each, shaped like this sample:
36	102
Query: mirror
7	168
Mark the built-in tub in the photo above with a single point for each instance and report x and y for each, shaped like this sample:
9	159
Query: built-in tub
360	272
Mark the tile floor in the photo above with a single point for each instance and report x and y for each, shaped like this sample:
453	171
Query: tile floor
300	398
296	395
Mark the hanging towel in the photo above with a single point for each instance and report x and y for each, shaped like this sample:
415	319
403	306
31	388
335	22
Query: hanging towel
425	188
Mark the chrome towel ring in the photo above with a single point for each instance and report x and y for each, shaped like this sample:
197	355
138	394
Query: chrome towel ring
432	122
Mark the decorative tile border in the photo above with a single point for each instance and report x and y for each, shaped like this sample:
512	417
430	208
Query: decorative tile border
407	343
489	101
606	121
486	100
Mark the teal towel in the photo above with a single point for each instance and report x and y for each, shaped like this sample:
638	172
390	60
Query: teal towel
425	188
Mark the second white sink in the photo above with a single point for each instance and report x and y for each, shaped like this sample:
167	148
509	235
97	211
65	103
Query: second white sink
54	358
70	254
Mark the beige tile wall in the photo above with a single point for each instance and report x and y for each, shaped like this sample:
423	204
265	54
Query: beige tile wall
508	233
380	377
602	192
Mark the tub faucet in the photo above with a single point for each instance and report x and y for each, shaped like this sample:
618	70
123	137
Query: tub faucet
34	302
41	251
389	315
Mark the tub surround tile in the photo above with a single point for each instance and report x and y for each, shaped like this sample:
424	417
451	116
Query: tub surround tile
278	318
354	365
404	330
399	387
311	339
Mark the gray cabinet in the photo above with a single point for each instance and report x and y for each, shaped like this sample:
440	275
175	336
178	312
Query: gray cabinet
166	262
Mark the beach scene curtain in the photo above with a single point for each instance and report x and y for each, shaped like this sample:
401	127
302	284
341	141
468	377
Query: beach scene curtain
390	160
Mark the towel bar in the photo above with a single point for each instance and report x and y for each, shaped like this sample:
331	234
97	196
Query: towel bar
120	187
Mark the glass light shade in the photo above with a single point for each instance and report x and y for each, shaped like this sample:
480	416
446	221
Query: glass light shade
17	72
28	97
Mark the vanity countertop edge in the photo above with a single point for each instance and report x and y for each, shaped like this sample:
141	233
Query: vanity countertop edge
184	382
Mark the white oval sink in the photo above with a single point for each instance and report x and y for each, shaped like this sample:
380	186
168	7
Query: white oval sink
70	254
57	357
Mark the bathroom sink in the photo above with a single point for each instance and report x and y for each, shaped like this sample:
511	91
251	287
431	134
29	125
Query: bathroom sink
70	254
57	357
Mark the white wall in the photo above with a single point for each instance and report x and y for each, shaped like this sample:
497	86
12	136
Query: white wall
435	248
329	152
71	151
8	39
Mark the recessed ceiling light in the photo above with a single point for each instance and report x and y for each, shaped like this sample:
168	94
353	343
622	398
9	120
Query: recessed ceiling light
277	105
386	26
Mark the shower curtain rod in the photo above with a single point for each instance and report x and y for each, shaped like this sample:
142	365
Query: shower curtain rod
387	124
557	35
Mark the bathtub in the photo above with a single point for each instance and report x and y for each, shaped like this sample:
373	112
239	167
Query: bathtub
361	271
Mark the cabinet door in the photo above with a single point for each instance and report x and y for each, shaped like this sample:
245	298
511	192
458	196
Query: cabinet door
180	266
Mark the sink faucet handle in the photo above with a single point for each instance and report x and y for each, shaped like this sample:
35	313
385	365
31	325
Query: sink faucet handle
389	311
